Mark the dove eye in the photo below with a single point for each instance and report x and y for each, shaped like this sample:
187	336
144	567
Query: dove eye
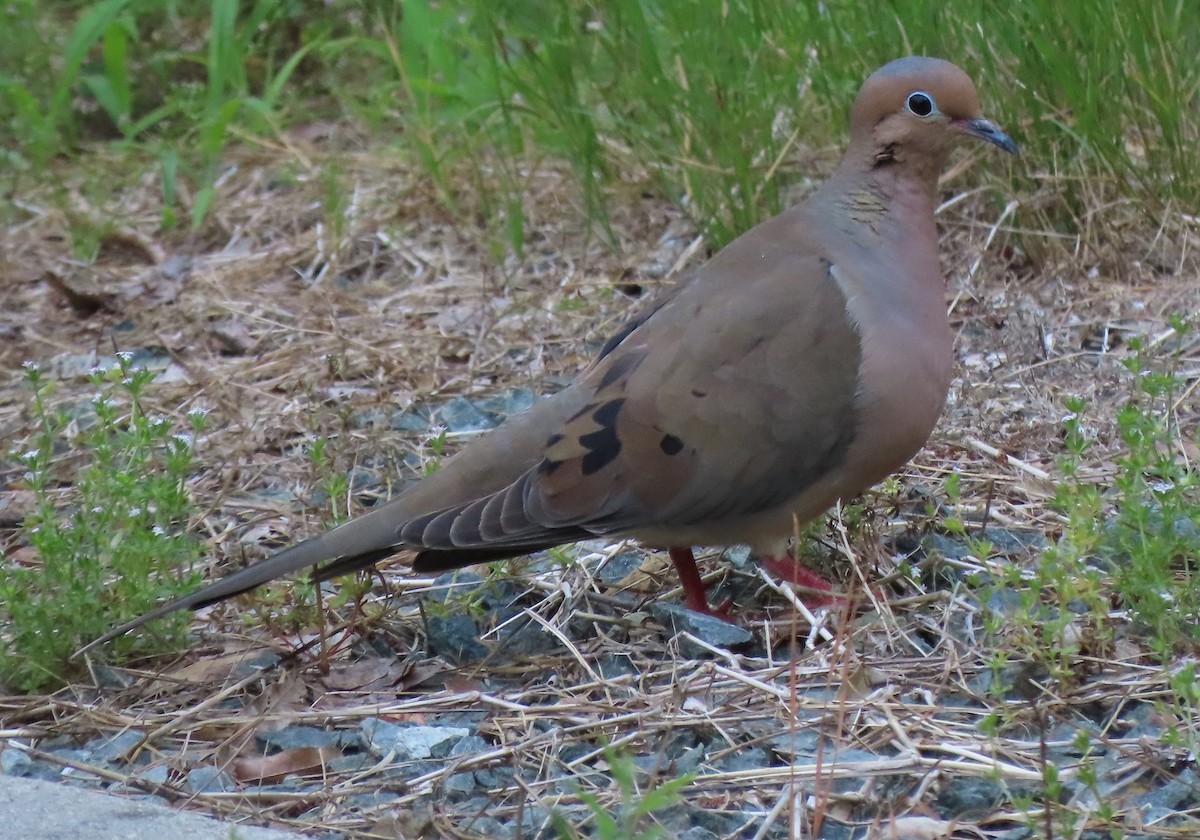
920	103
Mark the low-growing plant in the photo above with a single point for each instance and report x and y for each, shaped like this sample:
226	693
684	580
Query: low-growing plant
635	808
1130	541
109	531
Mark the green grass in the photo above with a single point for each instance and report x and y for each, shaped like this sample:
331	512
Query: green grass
714	100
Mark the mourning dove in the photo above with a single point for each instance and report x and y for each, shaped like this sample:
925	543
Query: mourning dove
804	362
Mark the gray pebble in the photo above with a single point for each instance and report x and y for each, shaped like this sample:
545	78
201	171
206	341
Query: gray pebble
968	796
210	780
13	762
296	737
469	745
710	630
116	747
460	785
455	637
1179	793
461	415
408	742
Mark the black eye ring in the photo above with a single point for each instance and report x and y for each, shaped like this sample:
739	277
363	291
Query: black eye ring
920	103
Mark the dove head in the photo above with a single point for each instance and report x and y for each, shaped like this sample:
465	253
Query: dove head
911	110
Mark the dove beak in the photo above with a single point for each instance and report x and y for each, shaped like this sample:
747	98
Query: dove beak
987	131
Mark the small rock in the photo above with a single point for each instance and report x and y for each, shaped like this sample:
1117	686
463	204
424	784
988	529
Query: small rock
470	745
350	763
461	415
210	780
13	762
526	638
617	665
620	566
502	406
417	419
455	637
708	629
690	760
107	676
1179	793
965	797
117	747
408	742
156	774
295	737
802	742
755	758
460	785
253	664
494	778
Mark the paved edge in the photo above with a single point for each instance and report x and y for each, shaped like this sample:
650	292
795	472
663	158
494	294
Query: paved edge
38	810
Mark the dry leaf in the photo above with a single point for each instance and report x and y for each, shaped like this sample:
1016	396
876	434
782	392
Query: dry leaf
912	828
272	768
215	668
649	577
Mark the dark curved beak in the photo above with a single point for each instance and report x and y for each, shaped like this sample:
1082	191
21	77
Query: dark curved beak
987	131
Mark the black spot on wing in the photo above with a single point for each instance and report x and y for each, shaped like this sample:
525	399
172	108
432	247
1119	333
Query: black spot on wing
553	439
547	467
670	445
602	445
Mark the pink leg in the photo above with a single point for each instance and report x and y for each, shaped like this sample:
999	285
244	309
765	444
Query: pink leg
790	570
694	597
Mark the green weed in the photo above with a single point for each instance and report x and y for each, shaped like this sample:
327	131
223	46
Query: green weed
109	532
634	810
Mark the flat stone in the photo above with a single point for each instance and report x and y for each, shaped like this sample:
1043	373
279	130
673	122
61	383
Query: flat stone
210	780
116	747
296	737
455	637
408	742
461	415
460	784
968	796
1178	794
709	629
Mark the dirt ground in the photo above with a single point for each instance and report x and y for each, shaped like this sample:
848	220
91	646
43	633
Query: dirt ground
287	319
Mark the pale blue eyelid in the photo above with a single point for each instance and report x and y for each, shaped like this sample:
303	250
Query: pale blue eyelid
932	103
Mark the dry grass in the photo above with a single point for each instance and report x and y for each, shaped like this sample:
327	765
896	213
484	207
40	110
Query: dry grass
286	317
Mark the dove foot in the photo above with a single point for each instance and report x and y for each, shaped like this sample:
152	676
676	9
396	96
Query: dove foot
789	569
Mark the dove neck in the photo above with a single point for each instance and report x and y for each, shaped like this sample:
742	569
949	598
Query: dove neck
893	173
901	192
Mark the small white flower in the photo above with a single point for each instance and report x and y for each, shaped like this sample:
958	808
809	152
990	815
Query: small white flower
124	355
31	366
183	437
135	511
31	454
198	412
159	531
97	509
